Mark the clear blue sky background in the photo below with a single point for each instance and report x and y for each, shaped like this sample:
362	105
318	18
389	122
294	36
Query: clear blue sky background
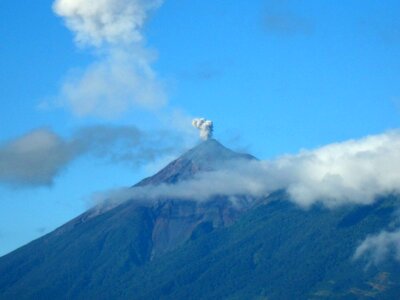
325	71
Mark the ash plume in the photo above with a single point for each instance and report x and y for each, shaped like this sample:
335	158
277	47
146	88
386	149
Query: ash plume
206	128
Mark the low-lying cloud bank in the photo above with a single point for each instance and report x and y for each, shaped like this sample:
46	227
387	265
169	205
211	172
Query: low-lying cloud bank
36	158
355	171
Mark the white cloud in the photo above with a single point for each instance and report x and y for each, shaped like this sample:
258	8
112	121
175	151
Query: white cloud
114	85
355	171
96	22
121	78
352	171
376	248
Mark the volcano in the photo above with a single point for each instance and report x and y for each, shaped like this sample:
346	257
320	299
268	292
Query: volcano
216	249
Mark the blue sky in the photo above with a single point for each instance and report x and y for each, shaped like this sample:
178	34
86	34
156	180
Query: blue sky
274	76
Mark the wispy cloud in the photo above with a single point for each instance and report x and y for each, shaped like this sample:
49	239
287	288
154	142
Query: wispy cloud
114	85
41	230
355	171
36	158
279	18
287	24
204	71
377	248
122	77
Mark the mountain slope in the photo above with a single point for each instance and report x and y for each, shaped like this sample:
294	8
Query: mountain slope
95	247
277	251
170	249
67	262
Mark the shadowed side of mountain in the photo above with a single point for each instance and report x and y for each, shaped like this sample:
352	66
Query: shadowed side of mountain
178	221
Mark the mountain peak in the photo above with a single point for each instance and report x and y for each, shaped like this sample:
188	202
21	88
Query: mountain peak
208	150
206	156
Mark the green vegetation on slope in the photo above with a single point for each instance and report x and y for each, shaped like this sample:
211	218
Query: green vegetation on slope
274	251
277	251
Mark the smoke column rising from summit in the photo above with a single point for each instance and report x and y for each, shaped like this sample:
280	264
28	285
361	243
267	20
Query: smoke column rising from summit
206	128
